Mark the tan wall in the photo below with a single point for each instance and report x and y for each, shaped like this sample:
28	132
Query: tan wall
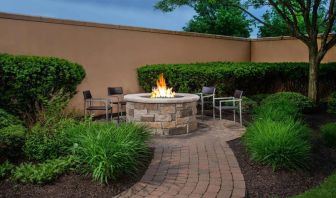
283	50
110	54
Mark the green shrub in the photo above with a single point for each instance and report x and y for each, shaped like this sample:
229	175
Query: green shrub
248	105
5	169
11	140
27	80
252	78
48	141
258	98
44	172
280	111
108	151
7	119
328	132
278	144
302	102
332	103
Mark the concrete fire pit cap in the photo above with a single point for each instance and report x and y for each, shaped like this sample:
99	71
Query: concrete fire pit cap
145	98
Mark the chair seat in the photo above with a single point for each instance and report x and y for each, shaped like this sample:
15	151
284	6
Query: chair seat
227	107
98	108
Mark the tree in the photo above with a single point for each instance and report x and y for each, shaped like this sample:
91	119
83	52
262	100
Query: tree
318	42
214	18
271	17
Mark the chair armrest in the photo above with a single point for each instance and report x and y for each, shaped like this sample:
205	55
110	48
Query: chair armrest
233	100
115	96
224	98
105	100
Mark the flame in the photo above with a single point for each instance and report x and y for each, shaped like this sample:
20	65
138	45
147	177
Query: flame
161	90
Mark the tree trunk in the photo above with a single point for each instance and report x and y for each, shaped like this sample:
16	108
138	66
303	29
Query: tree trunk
314	64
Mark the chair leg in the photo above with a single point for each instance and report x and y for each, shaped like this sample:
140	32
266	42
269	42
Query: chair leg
202	108
111	114
220	113
234	115
240	115
106	114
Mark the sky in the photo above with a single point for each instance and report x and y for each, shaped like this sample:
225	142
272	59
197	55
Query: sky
139	13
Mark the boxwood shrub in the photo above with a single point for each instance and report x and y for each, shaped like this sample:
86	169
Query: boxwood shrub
26	80
328	132
253	78
332	103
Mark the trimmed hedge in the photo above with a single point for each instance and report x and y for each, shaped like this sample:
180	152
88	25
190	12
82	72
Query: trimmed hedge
253	78
25	81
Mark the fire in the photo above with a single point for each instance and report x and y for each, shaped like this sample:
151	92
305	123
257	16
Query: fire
161	90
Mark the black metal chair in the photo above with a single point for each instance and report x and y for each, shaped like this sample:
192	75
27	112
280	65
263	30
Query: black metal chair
206	97
118	93
90	104
229	103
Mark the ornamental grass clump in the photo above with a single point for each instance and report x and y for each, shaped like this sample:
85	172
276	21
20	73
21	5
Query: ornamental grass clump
108	151
279	144
281	111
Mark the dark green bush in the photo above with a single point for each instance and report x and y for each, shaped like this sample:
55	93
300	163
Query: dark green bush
328	132
280	144
108	151
332	103
11	140
27	80
44	172
248	105
258	98
253	78
7	119
5	169
277	112
302	102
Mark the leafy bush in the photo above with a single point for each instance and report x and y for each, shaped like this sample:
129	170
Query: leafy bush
248	105
282	144
302	102
258	98
253	78
108	151
332	103
328	132
47	141
5	169
280	111
11	140
44	172
7	119
27	80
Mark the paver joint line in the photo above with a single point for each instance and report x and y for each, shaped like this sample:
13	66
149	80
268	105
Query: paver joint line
199	165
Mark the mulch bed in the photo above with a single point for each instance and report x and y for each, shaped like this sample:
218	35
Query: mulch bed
262	181
71	185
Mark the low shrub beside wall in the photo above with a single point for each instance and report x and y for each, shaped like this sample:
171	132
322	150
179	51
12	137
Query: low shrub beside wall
25	81
253	78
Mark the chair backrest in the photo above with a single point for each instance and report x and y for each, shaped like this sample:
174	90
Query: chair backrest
208	90
115	91
238	94
87	95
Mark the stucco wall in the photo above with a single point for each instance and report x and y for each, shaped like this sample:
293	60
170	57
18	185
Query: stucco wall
110	54
283	49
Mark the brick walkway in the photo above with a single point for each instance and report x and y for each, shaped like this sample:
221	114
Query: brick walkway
196	165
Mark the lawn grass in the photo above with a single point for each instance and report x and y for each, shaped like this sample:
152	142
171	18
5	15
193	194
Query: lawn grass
326	190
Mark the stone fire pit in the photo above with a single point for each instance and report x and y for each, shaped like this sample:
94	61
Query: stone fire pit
165	116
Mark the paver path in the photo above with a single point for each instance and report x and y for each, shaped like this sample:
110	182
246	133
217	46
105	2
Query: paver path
195	165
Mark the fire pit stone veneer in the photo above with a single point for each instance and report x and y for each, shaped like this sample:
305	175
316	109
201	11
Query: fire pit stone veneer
164	116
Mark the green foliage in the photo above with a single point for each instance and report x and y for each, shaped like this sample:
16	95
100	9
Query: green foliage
328	132
252	78
282	144
5	169
11	140
108	151
325	190
216	18
248	105
258	98
26	81
302	102
277	112
7	119
44	172
332	103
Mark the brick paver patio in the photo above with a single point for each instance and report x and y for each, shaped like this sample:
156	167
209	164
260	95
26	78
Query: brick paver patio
196	165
